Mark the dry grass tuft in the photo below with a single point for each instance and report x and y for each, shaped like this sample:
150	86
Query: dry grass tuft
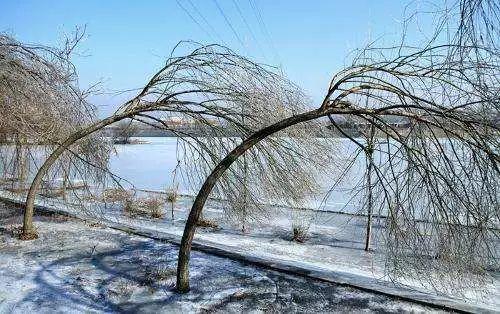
153	206
299	234
207	223
157	274
27	236
150	206
172	195
116	195
95	224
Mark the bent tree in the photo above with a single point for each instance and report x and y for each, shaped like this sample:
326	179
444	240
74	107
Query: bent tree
226	97
436	178
41	103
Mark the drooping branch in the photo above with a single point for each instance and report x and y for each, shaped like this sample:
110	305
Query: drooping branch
227	97
436	175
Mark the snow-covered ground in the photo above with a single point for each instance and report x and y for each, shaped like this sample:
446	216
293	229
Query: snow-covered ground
334	246
76	267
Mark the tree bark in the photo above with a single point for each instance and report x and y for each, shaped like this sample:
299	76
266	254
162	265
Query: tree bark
369	205
211	180
369	160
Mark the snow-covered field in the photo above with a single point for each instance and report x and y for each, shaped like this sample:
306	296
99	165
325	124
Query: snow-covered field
75	267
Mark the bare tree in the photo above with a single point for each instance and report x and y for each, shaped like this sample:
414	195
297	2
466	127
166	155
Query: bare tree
370	147
447	158
437	179
40	104
225	94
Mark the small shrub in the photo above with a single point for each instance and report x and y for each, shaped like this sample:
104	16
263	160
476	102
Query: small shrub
52	193
116	195
131	207
17	190
153	206
172	196
8	179
56	217
157	274
207	223
299	233
91	198
144	207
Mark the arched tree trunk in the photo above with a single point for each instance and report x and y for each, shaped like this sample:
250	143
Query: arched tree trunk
211	180
29	232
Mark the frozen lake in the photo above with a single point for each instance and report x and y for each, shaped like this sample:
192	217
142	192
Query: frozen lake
150	166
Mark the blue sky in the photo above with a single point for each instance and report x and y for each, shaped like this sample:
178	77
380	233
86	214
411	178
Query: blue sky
128	40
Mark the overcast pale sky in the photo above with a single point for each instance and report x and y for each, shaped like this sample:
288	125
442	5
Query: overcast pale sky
128	40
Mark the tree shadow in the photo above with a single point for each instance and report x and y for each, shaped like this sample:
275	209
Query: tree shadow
11	218
115	280
91	281
134	274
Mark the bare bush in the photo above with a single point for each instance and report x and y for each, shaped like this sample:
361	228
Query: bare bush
149	206
131	207
115	195
207	223
172	195
53	193
154	206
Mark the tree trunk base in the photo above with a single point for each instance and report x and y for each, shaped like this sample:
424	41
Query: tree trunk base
182	288
27	236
